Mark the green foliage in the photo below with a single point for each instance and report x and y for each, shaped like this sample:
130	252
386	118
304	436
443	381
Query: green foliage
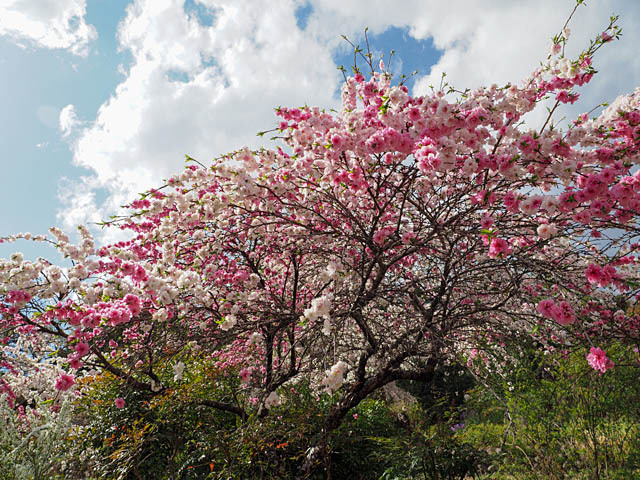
442	397
562	420
169	435
360	448
273	446
548	417
172	435
435	453
404	441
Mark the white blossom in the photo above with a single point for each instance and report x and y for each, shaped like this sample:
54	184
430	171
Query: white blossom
335	376
228	323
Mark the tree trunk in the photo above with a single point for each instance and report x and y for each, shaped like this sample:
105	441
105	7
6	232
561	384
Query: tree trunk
357	393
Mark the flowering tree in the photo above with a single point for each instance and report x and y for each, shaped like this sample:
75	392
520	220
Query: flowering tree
380	241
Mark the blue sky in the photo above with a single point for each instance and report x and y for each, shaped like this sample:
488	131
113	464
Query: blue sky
102	98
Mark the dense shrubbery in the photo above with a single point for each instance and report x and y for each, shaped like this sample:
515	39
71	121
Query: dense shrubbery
551	416
560	419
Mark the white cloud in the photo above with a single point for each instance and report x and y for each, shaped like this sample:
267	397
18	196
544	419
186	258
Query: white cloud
68	120
499	41
80	196
206	90
48	23
198	90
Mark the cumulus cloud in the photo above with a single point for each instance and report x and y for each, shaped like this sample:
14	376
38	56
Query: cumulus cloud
198	89
206	88
79	194
68	120
497	42
48	24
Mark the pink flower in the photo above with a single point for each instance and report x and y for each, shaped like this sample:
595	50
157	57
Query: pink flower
498	248
244	374
128	269
336	140
605	37
547	230
64	382
487	222
82	348
563	314
512	202
75	363
593	273
566	97
407	237
120	403
140	274
598	360
414	114
133	303
546	307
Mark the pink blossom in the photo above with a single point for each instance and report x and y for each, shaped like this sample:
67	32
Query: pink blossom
120	403
337	140
65	382
486	222
134	304
498	248
598	360
81	348
511	202
414	114
567	97
408	237
140	274
545	307
593	273
245	375
128	269
563	314
75	363
547	230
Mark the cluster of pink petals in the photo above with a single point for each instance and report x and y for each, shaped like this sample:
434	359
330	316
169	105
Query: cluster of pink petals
602	276
65	382
499	247
598	360
17	296
560	312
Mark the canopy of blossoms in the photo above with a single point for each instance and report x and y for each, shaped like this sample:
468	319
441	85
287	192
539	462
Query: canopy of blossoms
374	244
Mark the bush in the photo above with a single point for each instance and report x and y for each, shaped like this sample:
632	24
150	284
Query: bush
566	420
